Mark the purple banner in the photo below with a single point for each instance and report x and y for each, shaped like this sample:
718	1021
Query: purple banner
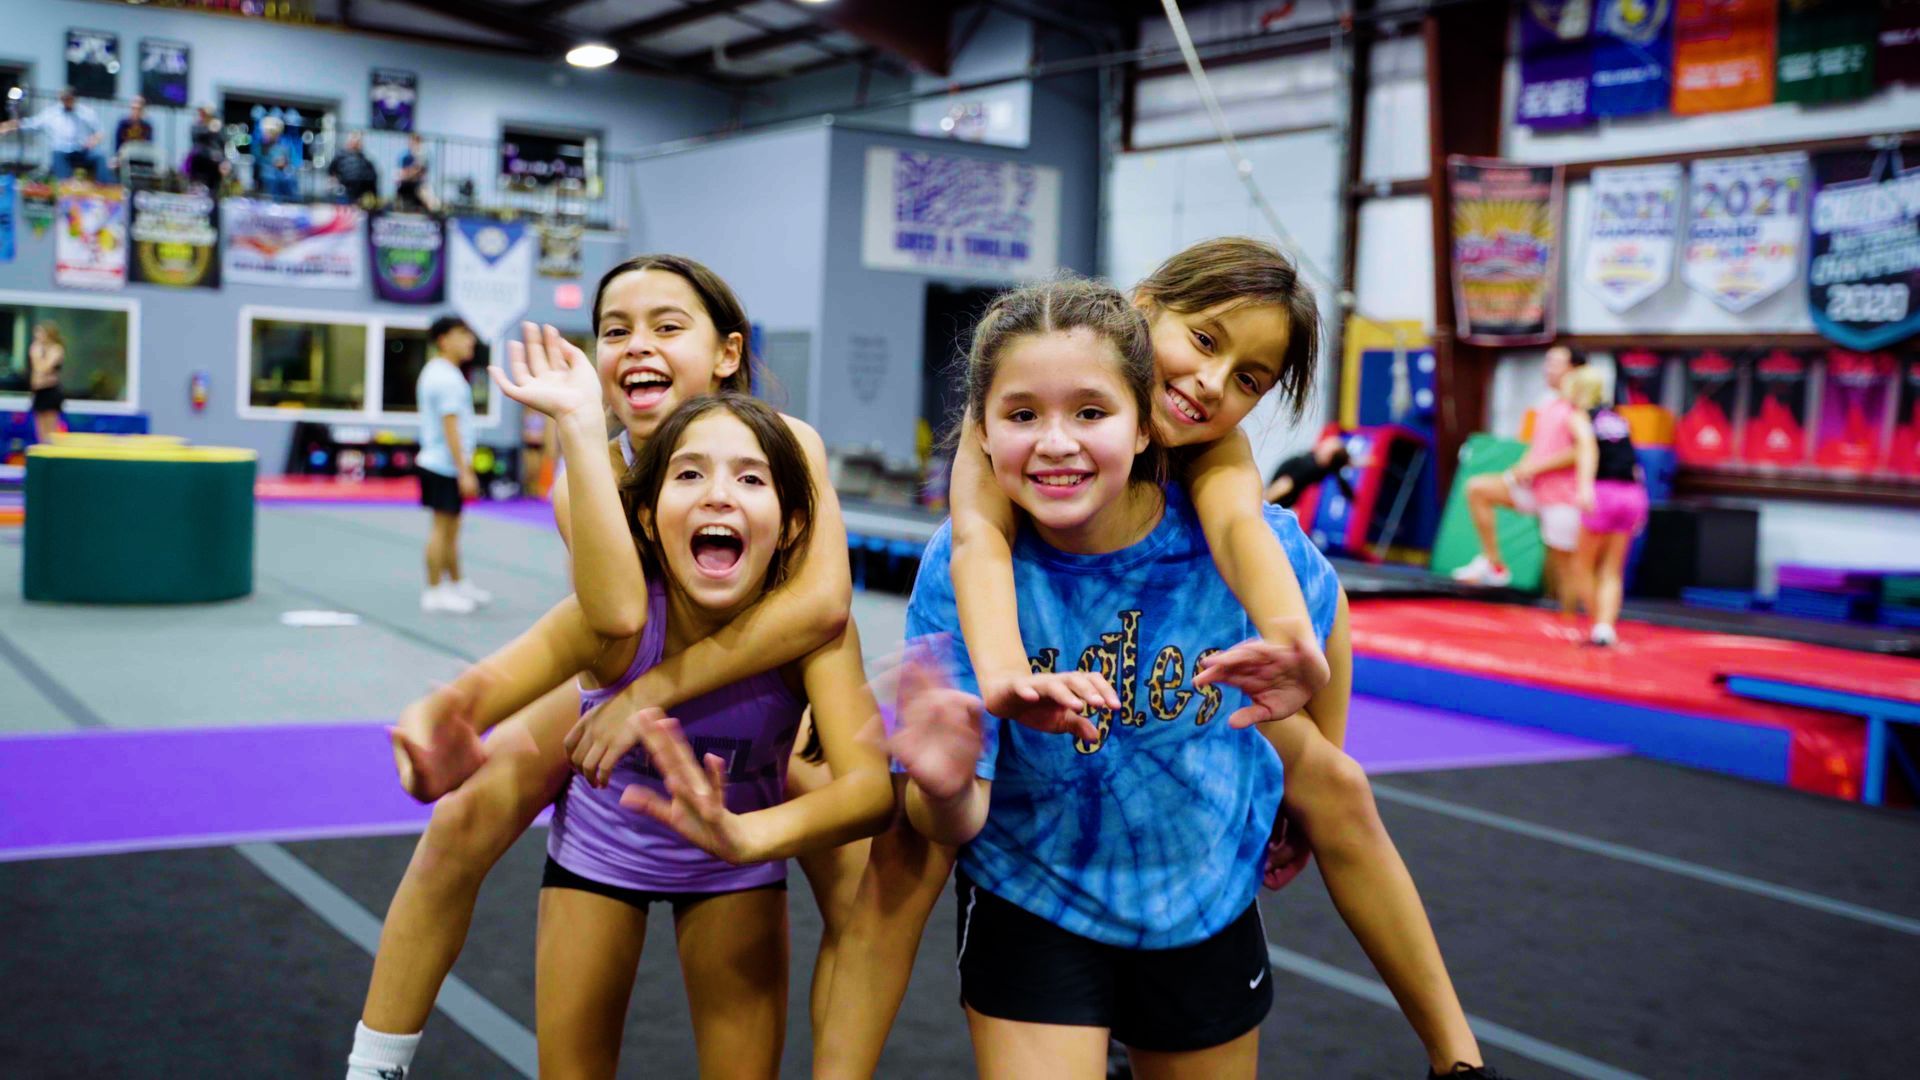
1632	57
409	258
1863	248
1556	69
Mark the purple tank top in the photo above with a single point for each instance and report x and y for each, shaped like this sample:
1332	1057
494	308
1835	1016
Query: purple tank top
750	724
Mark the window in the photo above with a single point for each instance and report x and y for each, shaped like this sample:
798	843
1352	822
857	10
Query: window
531	157
341	366
309	122
13	88
405	353
101	370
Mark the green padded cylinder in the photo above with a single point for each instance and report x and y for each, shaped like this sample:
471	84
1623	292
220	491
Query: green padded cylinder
1456	543
138	528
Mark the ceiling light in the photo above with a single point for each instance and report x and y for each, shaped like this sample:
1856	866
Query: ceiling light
591	55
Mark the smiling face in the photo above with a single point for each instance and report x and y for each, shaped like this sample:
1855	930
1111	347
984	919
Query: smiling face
717	521
1559	362
1061	429
657	347
1212	366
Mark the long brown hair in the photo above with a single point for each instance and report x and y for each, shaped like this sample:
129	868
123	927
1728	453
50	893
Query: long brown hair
723	307
1069	303
1247	271
786	463
53	332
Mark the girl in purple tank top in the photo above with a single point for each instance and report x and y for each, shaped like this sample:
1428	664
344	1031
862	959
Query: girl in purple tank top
696	816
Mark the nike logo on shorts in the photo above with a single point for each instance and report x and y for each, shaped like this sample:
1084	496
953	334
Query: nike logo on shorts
1254	983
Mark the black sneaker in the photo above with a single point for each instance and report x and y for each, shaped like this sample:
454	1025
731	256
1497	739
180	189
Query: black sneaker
1463	1071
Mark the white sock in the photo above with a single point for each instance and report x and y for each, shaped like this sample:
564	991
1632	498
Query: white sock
379	1056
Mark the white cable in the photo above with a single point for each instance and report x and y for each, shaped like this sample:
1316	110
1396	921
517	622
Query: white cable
1244	169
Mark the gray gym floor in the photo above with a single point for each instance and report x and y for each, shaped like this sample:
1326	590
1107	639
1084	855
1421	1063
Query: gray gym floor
1601	918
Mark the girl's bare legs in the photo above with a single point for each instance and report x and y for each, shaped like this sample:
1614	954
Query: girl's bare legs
733	955
1612	572
1021	1051
589	946
833	875
1241	1057
1328	796
471	828
1586	567
45	426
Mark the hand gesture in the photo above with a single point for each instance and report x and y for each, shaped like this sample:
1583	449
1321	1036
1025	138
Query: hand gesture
601	738
469	482
937	739
1278	679
697	808
1052	702
435	747
549	373
1287	852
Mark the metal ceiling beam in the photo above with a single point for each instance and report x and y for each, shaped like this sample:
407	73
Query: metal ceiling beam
547	9
741	50
673	20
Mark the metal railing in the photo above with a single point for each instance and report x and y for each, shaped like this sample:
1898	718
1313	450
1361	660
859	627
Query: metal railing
463	175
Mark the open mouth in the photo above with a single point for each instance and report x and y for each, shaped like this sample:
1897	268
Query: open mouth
1060	483
717	550
1184	407
645	388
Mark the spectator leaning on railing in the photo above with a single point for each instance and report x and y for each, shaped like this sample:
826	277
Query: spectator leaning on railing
207	163
73	135
353	172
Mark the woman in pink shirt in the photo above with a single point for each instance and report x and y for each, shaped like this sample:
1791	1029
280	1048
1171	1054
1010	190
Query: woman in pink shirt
1543	484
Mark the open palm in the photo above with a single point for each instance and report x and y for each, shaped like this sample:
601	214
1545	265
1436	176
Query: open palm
549	373
435	748
1278	678
696	802
938	738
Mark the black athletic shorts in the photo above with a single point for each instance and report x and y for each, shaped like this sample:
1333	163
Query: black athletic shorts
556	876
440	494
48	399
1014	965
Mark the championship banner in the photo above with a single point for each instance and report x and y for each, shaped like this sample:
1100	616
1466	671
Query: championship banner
1506	249
391	98
176	240
1744	223
163	71
1632	234
1863	248
93	63
314	246
967	216
1556	67
409	258
1722	55
90	244
1632	57
1896	56
6	217
36	204
1826	50
490	273
560	251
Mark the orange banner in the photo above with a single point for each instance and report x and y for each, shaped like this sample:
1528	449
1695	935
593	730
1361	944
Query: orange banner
1723	55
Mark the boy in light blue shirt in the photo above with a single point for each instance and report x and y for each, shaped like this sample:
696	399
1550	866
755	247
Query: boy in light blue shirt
445	464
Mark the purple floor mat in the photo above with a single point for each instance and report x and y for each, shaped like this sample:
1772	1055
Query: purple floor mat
535	512
101	792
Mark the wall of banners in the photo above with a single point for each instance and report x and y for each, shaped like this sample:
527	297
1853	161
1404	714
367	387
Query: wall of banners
1506	250
1863	248
293	245
1633	228
176	240
90	240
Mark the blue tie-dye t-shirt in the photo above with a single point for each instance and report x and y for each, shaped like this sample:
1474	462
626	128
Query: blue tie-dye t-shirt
1154	837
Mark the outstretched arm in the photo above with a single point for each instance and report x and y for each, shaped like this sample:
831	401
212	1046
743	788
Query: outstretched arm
856	804
807	612
1225	485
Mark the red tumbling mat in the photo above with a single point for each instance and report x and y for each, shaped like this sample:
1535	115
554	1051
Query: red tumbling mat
396	489
1672	671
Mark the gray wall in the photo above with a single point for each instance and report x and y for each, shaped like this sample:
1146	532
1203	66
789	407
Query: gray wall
462	92
871	312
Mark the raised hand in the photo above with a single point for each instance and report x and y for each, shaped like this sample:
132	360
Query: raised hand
697	806
1052	702
937	739
435	746
549	374
1278	679
601	738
